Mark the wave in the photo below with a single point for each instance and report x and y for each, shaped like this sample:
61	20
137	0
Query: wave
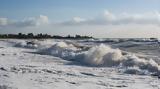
26	44
103	55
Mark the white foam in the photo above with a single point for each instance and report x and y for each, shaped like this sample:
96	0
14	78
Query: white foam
102	55
25	45
149	65
134	70
60	49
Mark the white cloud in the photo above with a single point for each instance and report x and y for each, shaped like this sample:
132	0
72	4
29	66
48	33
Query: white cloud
78	19
27	22
107	24
32	21
146	18
3	21
42	20
109	18
73	21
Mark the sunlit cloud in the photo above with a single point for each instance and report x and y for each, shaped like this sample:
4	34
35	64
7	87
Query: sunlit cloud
27	22
113	24
109	18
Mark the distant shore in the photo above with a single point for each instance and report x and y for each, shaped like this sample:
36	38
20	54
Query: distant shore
41	36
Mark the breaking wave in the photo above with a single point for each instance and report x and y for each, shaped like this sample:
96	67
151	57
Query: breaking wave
103	55
25	44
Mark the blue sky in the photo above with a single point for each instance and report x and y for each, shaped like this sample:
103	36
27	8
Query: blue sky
86	17
56	9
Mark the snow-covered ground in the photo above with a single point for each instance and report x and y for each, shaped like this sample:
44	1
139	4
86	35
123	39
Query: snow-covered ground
79	64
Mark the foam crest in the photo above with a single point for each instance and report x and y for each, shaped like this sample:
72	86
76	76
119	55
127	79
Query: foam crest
25	44
103	55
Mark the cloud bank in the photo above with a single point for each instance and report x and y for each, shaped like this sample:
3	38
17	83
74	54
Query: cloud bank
27	22
107	24
3	21
109	18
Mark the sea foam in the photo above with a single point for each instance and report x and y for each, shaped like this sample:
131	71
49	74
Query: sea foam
102	55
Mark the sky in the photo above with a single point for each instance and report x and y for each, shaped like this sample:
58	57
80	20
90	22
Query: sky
97	18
